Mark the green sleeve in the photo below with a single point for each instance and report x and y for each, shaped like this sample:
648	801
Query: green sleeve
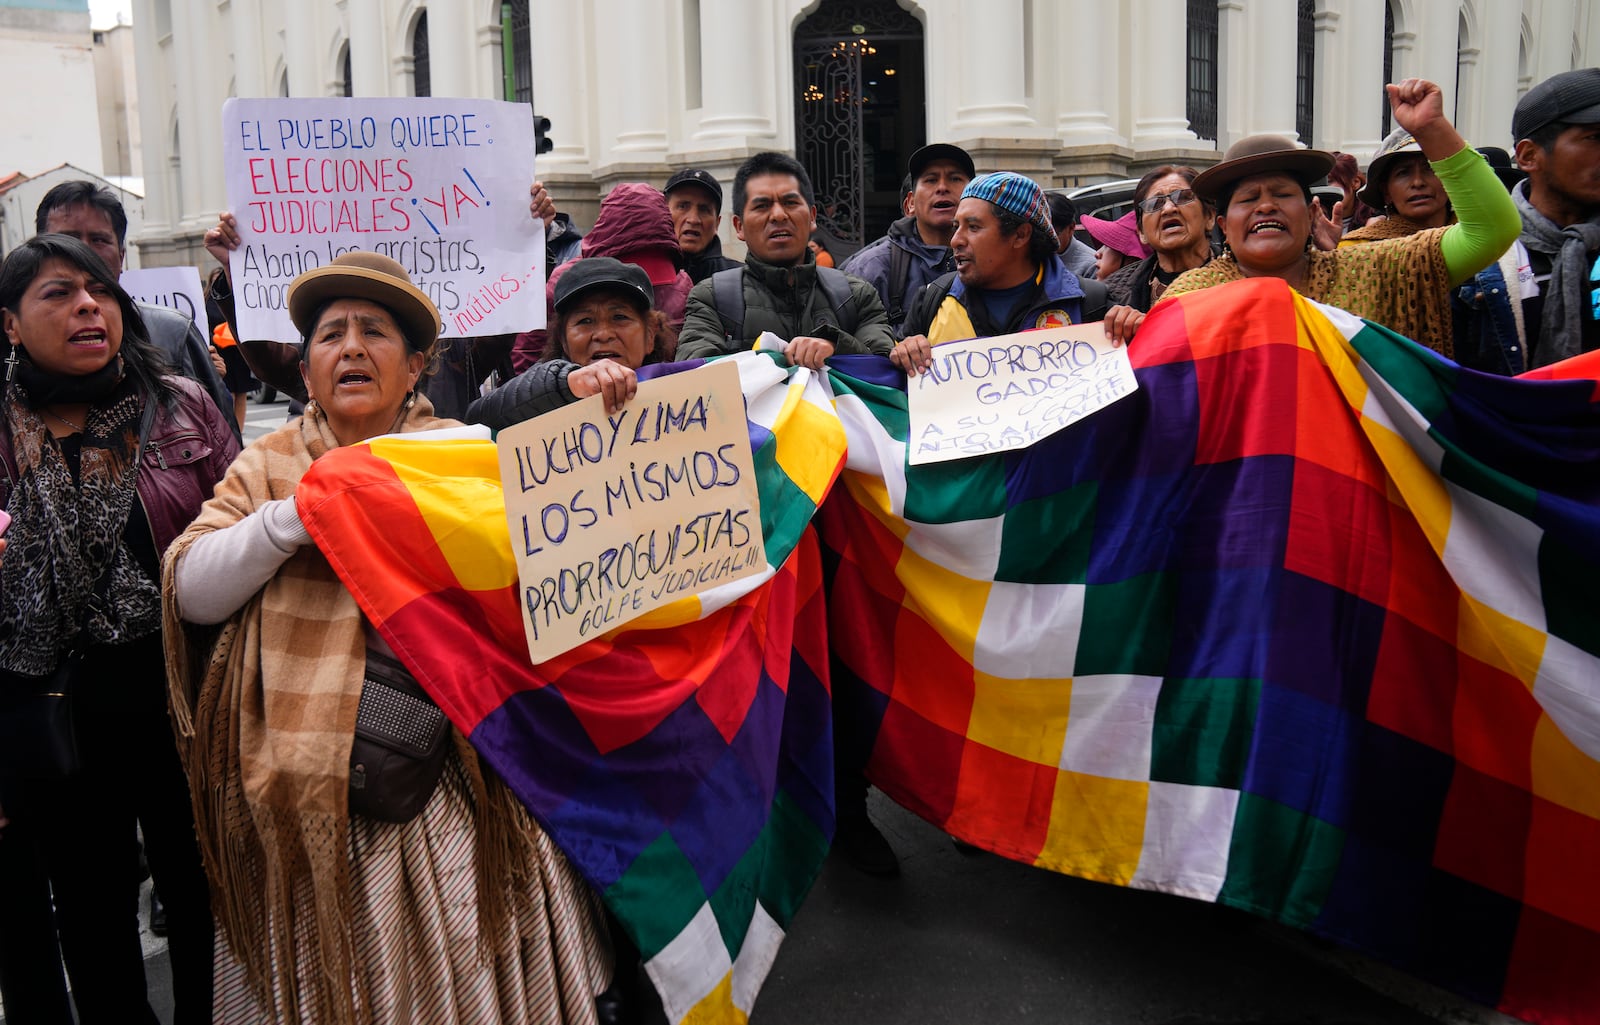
1487	221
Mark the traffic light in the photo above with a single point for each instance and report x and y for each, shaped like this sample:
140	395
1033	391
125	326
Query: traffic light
541	137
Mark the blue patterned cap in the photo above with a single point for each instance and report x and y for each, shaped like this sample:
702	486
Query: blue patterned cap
1017	193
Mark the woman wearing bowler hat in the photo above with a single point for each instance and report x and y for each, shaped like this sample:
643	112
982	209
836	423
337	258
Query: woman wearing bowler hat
1263	201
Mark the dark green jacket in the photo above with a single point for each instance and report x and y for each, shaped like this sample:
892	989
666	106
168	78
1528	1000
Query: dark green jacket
789	302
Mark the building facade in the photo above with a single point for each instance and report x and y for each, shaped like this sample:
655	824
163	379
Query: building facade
1066	91
47	41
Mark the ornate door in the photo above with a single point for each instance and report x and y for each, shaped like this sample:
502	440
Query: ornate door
845	57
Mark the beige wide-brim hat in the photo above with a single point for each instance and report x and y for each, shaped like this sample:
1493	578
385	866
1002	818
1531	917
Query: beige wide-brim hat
1262	154
1397	144
375	278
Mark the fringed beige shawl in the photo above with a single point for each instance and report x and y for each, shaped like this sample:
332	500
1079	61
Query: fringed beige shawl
265	711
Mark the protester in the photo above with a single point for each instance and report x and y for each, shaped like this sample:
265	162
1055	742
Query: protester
916	249
694	198
1346	174
104	458
1262	192
1119	243
819	252
465	909
1404	187
94	216
634	226
1176	224
605	327
1540	302
817	311
1078	257
1008	276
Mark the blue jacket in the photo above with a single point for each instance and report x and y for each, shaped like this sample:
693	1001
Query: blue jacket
873	264
1487	320
942	311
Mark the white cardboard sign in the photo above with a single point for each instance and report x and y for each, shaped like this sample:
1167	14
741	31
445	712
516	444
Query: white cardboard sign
987	395
177	288
612	516
440	185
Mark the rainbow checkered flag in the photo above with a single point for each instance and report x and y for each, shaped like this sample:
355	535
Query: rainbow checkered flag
1309	626
684	762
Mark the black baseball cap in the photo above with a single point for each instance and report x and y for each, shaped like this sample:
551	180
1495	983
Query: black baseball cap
696	176
597	271
1572	96
940	151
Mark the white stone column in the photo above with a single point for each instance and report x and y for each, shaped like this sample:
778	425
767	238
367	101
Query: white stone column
1160	117
301	47
1090	85
369	49
451	38
992	69
1256	73
199	127
1350	81
155	132
561	80
1552	38
1497	75
636	128
736	46
249	64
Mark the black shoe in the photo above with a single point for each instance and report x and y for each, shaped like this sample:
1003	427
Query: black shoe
864	848
158	914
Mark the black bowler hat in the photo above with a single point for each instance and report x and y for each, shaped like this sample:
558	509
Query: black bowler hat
602	271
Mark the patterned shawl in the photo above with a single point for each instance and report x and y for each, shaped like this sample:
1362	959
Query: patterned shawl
1401	283
265	712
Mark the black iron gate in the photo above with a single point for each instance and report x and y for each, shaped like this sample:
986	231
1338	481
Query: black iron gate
856	62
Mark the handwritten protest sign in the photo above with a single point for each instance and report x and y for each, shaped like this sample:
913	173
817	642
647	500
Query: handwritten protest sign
996	394
177	288
440	185
614	515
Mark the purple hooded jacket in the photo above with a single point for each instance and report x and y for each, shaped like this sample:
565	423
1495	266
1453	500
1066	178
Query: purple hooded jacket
633	221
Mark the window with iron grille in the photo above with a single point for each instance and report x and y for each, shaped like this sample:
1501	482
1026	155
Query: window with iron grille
421	72
1388	64
1305	77
521	53
1200	104
344	69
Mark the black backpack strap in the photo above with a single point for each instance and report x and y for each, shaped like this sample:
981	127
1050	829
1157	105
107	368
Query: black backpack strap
836	286
899	277
926	304
1096	299
727	296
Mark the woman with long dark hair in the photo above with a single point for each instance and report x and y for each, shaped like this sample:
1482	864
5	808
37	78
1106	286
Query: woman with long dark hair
104	460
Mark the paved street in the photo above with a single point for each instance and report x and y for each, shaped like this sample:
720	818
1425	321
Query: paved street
978	939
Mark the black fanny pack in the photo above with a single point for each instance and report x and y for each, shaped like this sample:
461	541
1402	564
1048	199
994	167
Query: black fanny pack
401	741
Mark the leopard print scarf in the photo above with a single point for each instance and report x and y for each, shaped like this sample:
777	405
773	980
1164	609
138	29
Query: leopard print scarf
65	530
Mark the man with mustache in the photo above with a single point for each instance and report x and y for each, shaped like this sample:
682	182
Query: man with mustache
917	248
1008	275
818	310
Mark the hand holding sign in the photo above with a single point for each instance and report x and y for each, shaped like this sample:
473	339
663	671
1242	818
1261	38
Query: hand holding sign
440	185
615	514
997	394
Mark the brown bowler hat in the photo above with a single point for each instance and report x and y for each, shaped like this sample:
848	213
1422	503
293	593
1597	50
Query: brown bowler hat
371	276
1262	154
